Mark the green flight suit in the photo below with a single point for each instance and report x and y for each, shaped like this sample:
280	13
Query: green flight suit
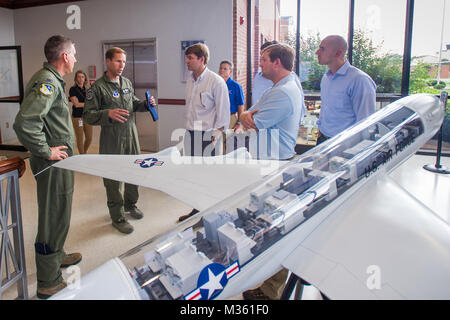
115	137
44	121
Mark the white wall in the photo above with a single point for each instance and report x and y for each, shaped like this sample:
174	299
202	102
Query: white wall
6	27
8	111
169	21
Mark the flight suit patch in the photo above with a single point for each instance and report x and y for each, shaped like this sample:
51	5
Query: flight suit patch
115	94
126	90
47	89
89	94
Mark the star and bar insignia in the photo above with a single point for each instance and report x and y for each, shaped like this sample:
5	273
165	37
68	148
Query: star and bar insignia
212	280
149	162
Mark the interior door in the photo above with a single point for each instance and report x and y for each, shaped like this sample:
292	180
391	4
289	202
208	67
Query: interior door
145	76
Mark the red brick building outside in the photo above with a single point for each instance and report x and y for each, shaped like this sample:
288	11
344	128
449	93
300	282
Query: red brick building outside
445	71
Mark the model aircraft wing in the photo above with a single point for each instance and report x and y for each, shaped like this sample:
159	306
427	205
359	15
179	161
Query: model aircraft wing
197	181
383	243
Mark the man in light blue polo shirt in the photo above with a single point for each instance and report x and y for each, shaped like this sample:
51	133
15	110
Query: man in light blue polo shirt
278	113
276	117
348	94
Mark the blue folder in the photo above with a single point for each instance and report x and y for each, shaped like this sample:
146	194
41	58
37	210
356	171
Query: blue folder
151	108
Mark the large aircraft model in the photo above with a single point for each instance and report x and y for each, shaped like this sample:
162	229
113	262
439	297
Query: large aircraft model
328	216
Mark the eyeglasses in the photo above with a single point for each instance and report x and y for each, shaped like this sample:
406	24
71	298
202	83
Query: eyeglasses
71	54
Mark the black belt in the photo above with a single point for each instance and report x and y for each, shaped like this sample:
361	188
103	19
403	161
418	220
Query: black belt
321	138
322	135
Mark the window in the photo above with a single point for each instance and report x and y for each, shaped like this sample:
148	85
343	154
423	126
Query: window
430	57
378	29
271	20
430	47
378	42
317	21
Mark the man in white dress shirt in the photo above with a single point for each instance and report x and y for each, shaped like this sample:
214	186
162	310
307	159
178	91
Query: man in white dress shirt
207	107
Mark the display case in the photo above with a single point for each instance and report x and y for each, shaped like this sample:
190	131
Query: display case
239	234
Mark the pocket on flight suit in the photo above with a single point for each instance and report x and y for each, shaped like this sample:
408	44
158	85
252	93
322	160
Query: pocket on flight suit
54	195
63	181
127	95
59	181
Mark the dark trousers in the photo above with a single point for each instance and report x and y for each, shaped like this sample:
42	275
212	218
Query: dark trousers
321	139
198	143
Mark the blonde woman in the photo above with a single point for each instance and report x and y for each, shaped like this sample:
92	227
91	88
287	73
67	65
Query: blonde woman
77	95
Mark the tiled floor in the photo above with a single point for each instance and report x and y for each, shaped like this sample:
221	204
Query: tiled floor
91	232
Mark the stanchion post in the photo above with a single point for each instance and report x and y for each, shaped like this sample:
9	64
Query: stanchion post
437	167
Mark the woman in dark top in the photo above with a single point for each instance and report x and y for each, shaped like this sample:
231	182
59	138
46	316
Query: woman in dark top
77	95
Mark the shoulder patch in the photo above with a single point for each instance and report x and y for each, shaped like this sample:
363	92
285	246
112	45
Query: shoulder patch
47	89
89	94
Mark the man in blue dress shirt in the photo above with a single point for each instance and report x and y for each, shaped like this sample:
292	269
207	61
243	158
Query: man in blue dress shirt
348	94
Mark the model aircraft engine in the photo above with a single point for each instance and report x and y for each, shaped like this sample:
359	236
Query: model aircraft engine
261	224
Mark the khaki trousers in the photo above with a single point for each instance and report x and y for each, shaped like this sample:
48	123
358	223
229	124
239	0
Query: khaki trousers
273	287
233	120
83	134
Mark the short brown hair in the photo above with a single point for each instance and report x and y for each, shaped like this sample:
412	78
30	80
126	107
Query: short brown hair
282	51
55	46
200	50
112	52
268	43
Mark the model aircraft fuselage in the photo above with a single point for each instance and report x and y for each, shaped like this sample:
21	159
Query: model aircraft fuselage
244	239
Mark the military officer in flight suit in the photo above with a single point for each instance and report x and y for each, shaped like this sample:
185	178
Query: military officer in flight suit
110	103
44	126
